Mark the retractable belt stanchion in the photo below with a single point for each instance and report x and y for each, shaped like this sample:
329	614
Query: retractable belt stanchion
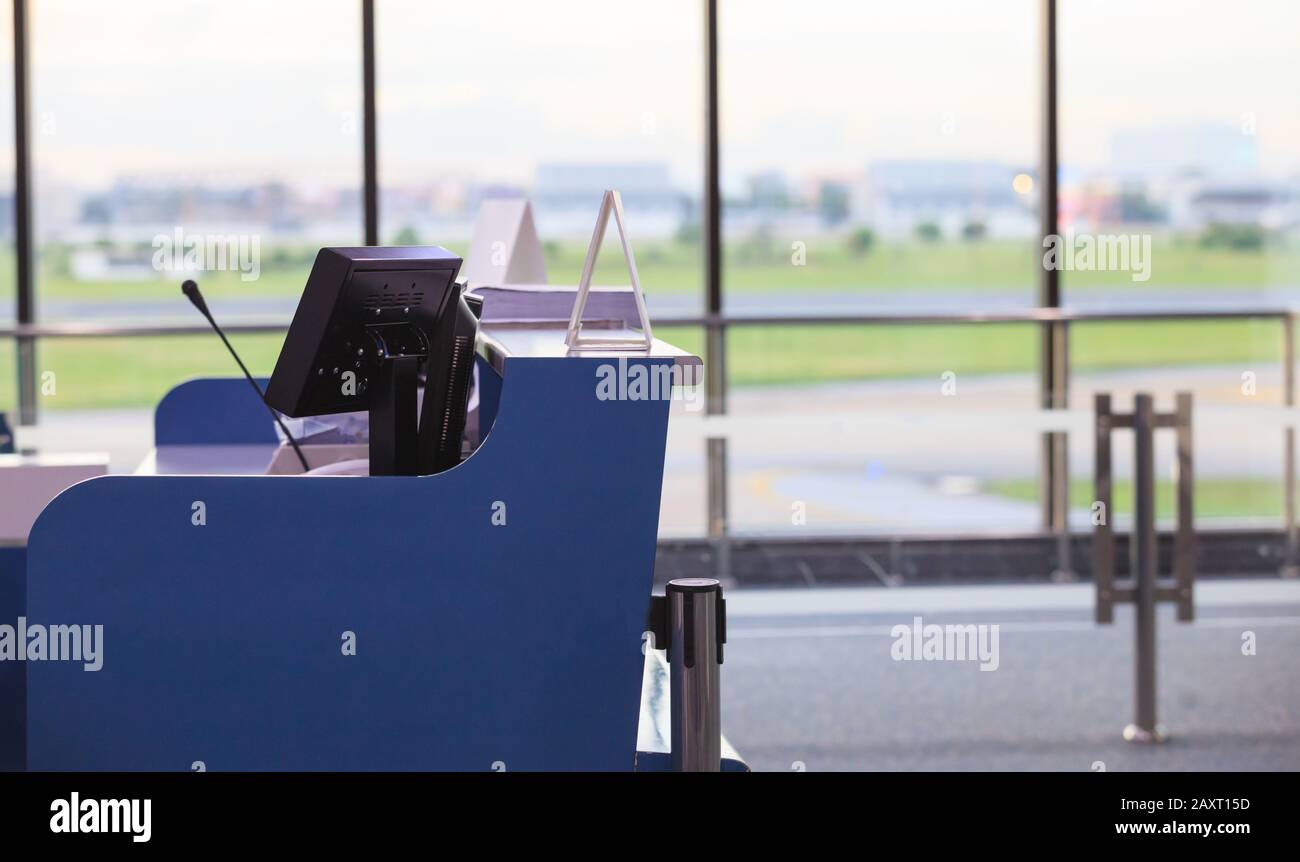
690	622
1144	587
695	635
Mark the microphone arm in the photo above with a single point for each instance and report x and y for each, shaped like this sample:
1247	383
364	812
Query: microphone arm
191	291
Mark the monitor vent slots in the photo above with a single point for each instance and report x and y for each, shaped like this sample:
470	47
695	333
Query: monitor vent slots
398	299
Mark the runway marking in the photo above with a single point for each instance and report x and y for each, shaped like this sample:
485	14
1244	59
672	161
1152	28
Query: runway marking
760	488
740	633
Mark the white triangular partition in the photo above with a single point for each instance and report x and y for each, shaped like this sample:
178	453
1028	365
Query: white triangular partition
505	248
575	340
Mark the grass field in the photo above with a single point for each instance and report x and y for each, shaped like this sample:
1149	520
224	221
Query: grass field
752	266
1215	497
112	373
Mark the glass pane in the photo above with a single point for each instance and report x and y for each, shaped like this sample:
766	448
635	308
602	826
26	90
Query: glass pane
101	373
7	263
111	385
9	380
1233	370
878	161
881	429
683	507
1180	141
179	139
515	100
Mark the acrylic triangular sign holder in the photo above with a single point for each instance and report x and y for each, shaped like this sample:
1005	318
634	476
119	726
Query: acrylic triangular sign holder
574	339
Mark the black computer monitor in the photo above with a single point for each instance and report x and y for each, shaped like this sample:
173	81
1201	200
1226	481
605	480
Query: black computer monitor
370	323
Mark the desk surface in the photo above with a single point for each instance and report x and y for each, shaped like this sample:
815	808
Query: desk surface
497	341
29	482
248	460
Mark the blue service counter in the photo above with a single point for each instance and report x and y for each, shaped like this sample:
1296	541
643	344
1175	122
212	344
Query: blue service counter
488	617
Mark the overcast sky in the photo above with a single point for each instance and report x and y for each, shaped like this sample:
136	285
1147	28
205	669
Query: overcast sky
248	89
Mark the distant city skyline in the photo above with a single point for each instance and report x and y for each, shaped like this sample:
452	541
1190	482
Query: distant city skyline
1213	178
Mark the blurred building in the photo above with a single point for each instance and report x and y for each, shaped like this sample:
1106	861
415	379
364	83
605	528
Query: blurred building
902	194
1183	177
1199	204
566	197
1158	153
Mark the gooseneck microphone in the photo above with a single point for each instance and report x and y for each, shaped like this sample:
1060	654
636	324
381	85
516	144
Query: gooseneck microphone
191	291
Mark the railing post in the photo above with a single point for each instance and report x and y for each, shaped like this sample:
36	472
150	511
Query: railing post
696	632
25	265
1053	357
715	332
369	123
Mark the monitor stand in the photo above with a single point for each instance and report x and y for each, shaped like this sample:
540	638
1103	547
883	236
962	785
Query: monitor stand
394	393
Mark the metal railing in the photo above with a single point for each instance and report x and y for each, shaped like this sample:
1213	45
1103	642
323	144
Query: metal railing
1050	320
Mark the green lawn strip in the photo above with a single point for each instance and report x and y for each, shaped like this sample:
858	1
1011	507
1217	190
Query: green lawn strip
1215	497
121	372
815	354
771	265
97	373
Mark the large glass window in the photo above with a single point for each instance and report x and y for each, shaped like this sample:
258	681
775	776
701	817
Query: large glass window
556	102
175	140
878	155
1180	129
881	158
892	430
878	158
1180	188
1234	370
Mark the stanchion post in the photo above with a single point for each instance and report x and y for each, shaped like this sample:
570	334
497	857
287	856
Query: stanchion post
1144	587
696	627
1185	530
1142	550
1103	529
